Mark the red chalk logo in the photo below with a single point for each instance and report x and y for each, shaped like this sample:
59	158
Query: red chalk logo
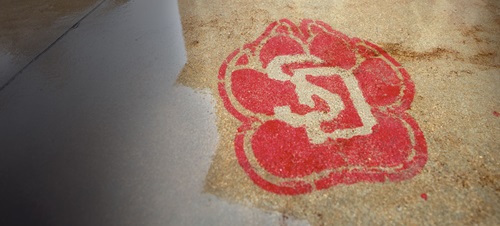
319	109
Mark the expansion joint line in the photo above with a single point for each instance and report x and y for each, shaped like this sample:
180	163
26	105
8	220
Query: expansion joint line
11	79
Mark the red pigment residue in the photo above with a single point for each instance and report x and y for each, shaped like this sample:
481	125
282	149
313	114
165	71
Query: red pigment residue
424	196
496	113
318	108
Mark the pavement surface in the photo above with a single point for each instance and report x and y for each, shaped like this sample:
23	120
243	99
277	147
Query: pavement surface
352	112
93	128
117	112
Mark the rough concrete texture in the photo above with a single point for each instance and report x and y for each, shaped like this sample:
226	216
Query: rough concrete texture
450	50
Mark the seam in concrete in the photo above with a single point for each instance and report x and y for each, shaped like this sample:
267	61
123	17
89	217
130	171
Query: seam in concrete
11	79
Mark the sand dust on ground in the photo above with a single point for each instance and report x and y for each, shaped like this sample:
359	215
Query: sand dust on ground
449	48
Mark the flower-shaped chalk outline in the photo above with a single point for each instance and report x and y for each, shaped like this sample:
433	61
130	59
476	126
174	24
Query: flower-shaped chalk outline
319	109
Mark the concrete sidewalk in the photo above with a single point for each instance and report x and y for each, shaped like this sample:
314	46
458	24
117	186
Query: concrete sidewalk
113	113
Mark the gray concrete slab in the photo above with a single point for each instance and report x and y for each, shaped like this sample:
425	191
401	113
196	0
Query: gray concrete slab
96	132
28	28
